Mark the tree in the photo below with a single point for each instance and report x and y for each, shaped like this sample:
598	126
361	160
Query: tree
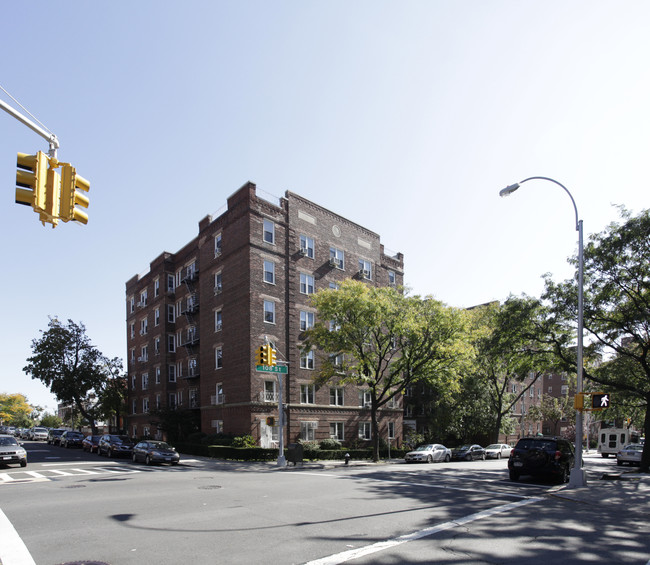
553	410
383	341
506	352
65	360
51	421
616	312
15	410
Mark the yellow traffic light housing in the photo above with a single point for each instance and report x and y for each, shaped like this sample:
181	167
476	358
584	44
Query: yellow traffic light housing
31	180
272	356
73	193
579	401
260	355
264	355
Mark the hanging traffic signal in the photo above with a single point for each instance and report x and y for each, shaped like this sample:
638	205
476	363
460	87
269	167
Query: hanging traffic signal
272	356
50	213
31	180
264	355
73	193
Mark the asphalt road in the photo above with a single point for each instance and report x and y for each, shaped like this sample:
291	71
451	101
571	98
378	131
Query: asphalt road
72	507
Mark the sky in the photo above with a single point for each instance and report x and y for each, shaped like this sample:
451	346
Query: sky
406	117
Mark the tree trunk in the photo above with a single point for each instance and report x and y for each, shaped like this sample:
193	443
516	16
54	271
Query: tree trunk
375	432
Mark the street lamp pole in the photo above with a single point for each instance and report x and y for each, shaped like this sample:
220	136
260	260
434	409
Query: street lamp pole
577	478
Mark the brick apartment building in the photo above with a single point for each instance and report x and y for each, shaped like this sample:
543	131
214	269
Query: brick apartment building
196	318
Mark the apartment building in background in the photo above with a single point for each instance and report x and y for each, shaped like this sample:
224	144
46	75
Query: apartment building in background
195	319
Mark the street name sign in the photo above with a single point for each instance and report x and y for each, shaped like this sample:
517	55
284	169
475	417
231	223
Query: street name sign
272	369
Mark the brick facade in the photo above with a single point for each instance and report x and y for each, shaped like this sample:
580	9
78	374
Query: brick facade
244	279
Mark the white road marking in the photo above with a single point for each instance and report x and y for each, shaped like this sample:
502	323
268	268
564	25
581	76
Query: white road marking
380	546
12	549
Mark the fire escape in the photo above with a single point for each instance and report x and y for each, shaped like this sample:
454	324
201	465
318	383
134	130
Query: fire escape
190	337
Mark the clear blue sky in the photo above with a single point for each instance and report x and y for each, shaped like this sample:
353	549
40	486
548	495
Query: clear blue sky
406	117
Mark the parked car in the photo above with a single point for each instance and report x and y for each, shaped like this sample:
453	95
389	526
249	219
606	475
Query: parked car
39	434
54	436
468	453
497	451
630	454
71	439
11	451
90	443
150	452
548	457
428	454
115	445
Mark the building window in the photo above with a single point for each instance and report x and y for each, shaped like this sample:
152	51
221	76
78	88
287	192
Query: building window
307	360
334	286
365	269
217	283
144	327
306	320
337	258
219	397
171	372
307	394
156	288
171	314
172	400
391	278
171	343
145	405
156	317
145	381
217	245
564	390
269	231
308	431
365	398
132	329
144	354
391	430
336	396
134	406
269	272
218	358
336	431
194	398
218	321
156	346
143	299
270	391
157	375
269	312
131	305
365	431
307	246
170	283
306	284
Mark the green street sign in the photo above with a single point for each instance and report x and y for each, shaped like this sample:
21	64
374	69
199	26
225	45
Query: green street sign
272	369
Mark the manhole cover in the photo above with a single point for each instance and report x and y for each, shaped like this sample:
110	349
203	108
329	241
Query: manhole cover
210	487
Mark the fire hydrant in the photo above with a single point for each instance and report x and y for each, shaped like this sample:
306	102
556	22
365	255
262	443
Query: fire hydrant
347	458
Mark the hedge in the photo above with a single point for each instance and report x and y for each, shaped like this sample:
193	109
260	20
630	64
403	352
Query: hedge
263	454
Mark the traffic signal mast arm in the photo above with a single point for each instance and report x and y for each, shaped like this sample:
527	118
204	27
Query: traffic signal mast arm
48	136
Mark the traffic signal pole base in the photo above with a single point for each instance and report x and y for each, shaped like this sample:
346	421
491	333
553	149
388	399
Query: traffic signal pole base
577	478
282	461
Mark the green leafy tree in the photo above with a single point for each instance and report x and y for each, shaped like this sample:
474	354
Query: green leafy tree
553	410
616	312
64	359
507	353
383	341
51	421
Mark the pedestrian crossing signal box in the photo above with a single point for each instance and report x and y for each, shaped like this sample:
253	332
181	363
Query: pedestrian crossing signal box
600	400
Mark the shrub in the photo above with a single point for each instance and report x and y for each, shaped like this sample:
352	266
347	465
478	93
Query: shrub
244	441
329	444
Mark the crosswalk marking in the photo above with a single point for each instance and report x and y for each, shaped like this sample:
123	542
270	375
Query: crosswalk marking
49	474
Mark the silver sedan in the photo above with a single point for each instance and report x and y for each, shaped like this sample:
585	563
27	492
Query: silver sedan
428	454
630	454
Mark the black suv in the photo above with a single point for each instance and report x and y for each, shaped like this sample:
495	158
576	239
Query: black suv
550	457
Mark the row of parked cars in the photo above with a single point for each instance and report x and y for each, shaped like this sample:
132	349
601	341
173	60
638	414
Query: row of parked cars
437	452
115	445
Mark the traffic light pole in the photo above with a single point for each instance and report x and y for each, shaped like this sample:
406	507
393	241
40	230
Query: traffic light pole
282	461
48	136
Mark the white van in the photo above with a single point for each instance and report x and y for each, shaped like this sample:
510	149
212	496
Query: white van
611	440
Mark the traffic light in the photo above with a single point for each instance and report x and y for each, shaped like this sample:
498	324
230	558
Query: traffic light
579	401
599	400
260	356
272	356
31	180
52	198
73	193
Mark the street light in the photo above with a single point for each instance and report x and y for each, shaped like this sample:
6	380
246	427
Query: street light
577	478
